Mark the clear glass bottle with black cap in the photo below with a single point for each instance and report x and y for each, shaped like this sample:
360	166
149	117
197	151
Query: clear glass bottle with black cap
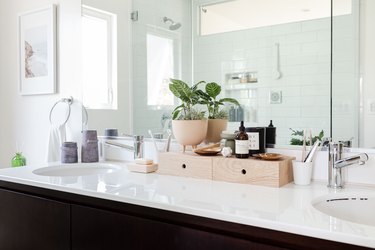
242	143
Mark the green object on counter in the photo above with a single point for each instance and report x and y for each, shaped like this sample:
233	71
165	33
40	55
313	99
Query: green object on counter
18	160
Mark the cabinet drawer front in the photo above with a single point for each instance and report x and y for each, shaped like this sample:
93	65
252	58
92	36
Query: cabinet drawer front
31	222
264	173
185	165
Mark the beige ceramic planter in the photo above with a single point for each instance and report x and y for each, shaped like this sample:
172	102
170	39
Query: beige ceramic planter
215	127
189	132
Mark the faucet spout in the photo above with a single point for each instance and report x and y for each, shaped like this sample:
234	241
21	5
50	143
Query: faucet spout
137	147
356	159
336	163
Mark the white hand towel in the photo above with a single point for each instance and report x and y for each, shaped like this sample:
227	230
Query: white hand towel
57	136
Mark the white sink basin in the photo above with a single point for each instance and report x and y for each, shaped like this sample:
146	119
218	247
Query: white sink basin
79	169
358	208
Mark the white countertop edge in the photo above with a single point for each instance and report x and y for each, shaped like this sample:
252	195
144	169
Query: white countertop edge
256	222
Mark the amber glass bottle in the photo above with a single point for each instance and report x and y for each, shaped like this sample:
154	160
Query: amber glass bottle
242	143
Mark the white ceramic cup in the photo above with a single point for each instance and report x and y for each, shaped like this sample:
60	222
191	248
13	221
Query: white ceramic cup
302	172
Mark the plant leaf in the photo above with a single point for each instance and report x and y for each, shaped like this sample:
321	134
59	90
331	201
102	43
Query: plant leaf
203	96
321	135
295	141
180	89
213	89
195	86
230	100
175	114
297	132
177	111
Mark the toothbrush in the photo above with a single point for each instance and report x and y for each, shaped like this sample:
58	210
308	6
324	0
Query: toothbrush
304	145
168	140
311	153
153	140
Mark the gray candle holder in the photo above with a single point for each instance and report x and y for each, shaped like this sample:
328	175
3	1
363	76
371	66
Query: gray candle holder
90	151
69	152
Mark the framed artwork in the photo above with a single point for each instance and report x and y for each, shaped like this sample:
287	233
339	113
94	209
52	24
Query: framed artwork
37	51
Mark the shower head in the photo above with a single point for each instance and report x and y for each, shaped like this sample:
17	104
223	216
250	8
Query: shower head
173	26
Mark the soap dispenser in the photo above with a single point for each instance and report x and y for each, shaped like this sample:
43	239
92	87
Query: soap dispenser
270	135
242	143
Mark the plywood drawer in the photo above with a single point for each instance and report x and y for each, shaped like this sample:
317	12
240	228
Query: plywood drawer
186	165
253	171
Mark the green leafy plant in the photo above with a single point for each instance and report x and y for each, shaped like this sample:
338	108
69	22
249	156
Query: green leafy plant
208	98
190	97
299	139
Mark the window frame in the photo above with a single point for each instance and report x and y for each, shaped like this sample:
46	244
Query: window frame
112	81
176	38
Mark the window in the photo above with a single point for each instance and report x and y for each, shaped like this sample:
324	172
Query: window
232	15
99	59
160	68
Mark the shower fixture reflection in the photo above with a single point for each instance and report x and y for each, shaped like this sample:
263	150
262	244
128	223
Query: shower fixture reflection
174	25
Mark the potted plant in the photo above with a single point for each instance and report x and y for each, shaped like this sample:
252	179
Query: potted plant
298	140
188	124
217	117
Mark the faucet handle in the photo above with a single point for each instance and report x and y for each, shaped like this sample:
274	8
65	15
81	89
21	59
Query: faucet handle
325	143
363	158
138	138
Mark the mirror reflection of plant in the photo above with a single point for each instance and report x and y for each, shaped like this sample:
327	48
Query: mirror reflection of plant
189	97
299	141
208	98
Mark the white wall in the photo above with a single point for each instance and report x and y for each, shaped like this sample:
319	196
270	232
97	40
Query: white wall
24	119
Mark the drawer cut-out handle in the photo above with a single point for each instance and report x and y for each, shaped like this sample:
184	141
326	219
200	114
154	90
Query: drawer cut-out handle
243	171
183	166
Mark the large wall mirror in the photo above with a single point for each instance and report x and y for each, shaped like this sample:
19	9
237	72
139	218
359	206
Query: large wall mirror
273	56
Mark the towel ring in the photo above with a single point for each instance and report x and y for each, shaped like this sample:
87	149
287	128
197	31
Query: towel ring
68	101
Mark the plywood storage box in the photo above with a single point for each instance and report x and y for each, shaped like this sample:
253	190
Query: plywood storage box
185	164
247	171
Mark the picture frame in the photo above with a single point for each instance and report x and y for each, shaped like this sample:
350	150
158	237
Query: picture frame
37	51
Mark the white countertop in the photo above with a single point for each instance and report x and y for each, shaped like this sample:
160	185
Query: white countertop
286	209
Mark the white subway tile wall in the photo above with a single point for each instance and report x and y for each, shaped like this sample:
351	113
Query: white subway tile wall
305	53
304	65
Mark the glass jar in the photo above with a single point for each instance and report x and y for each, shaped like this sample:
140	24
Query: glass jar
18	160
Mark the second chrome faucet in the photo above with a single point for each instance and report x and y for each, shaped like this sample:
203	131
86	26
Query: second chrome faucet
336	163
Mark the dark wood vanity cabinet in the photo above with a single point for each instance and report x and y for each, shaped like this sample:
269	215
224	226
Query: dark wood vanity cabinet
38	218
30	222
98	229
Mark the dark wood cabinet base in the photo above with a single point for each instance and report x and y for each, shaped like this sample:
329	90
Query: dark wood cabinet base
74	221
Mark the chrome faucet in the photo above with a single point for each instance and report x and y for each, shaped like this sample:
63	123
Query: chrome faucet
138	147
336	163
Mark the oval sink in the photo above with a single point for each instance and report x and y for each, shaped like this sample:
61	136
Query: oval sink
79	169
358	208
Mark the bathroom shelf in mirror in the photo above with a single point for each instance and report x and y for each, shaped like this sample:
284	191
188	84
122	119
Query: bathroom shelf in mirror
244	77
243	86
